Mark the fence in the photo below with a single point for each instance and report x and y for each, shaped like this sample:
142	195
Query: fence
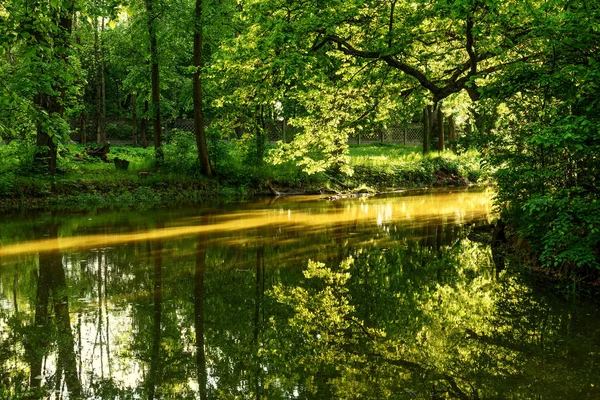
406	134
120	129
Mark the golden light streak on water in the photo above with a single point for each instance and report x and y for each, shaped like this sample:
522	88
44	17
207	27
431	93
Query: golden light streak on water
416	210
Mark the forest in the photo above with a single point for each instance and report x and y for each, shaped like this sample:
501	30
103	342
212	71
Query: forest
299	199
279	94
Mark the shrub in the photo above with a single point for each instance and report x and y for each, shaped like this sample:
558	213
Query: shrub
181	153
17	156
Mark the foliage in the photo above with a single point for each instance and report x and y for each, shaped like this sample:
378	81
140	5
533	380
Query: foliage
218	148
546	142
180	153
16	156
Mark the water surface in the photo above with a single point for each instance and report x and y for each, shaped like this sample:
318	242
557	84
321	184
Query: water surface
378	297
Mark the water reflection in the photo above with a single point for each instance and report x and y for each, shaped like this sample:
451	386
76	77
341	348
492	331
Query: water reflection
416	210
199	317
390	307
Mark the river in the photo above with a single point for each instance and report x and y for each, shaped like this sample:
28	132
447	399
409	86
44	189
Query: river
390	296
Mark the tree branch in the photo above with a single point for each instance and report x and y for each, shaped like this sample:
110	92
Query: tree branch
391	25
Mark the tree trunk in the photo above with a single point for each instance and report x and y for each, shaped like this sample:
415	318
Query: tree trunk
197	87
433	123
238	131
260	136
98	85
134	119
440	128
83	129
452	131
155	81
426	130
82	116
283	130
46	153
11	60
144	125
103	75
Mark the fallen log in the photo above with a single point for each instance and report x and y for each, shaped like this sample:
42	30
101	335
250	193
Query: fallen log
99	152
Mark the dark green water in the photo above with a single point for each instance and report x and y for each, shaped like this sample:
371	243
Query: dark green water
222	302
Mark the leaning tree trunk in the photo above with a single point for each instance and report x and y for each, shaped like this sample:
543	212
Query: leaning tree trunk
155	81
198	112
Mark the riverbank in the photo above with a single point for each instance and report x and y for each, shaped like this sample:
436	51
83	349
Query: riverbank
84	181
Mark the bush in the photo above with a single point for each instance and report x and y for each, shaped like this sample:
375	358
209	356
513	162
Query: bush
17	156
219	151
181	154
7	184
548	186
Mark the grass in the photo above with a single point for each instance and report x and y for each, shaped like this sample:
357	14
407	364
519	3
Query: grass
391	166
381	153
89	181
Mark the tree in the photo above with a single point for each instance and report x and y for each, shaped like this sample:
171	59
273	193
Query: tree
418	53
152	16
44	31
198	111
546	139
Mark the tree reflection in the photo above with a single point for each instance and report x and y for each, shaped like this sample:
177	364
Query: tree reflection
258	300
51	284
155	361
443	330
199	296
411	311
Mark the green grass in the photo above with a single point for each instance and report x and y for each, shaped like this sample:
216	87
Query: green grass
87	180
377	152
392	166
